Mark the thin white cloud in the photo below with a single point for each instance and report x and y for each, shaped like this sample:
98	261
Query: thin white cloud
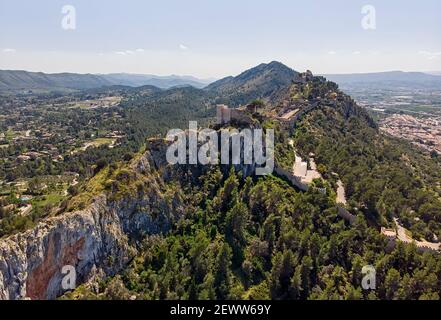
356	52
430	55
183	47
332	52
9	50
128	52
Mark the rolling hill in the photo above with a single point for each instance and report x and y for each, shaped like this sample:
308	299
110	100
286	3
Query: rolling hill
23	80
18	80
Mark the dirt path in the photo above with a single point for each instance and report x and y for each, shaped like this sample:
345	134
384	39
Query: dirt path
341	195
402	235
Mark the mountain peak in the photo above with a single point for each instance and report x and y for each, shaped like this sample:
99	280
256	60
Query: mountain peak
265	80
279	64
273	66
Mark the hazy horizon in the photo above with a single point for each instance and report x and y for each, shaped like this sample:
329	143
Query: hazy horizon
214	40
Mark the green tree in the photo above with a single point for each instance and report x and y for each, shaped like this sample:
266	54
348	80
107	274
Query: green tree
222	271
392	283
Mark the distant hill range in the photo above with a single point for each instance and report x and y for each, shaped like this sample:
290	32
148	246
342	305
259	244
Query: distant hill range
267	80
163	82
17	80
388	78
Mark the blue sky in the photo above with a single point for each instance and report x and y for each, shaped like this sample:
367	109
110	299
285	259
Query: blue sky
208	38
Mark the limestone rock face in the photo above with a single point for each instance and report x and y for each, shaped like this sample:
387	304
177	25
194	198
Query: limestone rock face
97	242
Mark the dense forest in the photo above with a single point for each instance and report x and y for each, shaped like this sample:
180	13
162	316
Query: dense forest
262	239
383	177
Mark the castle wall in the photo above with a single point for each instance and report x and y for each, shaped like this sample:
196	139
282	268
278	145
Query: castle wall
291	178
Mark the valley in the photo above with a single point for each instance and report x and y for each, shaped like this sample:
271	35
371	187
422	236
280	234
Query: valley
404	109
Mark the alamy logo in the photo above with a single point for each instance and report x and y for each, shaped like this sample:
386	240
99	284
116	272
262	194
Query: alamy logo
369	20
247	147
70	278
69	21
369	280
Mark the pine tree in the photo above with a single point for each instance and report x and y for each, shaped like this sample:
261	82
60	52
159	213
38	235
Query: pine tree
222	278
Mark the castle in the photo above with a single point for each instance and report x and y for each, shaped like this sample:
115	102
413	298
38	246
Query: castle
225	115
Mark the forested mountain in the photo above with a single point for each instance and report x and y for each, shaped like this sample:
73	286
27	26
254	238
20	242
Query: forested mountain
266	81
24	80
248	238
163	82
13	81
152	230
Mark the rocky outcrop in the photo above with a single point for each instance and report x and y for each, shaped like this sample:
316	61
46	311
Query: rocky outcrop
97	242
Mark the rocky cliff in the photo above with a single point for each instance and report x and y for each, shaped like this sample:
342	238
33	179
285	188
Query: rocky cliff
97	241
